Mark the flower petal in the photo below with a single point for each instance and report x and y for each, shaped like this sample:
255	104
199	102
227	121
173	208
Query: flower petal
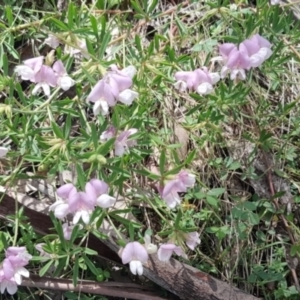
3	151
105	201
127	96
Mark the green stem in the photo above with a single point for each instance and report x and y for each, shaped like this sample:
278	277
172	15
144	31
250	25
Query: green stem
114	227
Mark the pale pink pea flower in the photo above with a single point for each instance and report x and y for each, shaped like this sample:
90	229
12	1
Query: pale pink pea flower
52	41
108	134
134	254
64	81
113	87
123	142
44	78
236	61
12	269
257	48
192	239
178	184
199	80
67	231
30	68
165	251
250	53
82	204
61	207
101	193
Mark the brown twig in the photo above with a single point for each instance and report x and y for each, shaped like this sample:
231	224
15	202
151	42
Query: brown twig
113	289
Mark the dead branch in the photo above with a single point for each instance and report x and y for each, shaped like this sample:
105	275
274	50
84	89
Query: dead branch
113	289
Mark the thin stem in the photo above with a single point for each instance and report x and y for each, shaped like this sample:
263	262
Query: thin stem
114	227
54	94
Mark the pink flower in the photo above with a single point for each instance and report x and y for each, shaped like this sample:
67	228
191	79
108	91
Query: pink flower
169	193
52	41
12	269
123	143
67	231
82	204
113	87
44	78
187	179
257	48
200	80
61	207
3	151
108	134
236	61
192	239
250	53
64	81
134	254
179	184
101	189
165	251
30	68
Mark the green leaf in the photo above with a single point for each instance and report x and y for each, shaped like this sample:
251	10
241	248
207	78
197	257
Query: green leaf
212	201
9	15
173	171
45	268
61	265
249	205
94	25
89	251
104	43
60	24
137	7
67	127
253	218
178	219
81	175
90	265
138	44
162	162
57	131
152	6
216	192
71	14
190	157
205	45
131	231
74	233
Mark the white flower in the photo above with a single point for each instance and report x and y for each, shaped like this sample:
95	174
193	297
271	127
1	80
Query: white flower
3	151
52	41
136	267
127	96
64	81
105	201
134	254
129	71
60	208
100	106
192	239
165	251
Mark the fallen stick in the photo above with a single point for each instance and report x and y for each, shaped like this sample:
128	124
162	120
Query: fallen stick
113	289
